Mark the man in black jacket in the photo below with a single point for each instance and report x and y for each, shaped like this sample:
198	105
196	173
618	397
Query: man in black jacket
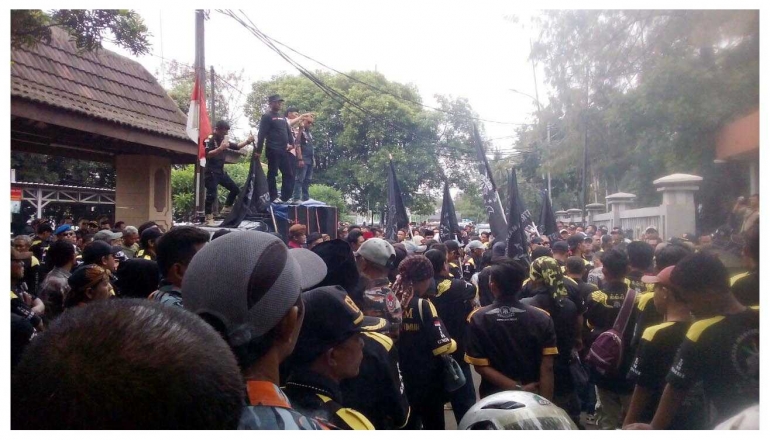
274	131
215	174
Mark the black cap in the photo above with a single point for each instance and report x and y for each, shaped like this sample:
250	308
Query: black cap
273	98
292	109
98	249
560	246
331	317
223	125
575	240
151	233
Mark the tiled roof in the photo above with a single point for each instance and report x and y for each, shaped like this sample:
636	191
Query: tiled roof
101	84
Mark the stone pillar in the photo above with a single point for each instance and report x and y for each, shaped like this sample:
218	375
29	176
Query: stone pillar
619	202
678	205
143	190
593	209
574	215
561	216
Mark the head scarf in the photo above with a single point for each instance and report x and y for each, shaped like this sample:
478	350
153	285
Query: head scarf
413	269
547	270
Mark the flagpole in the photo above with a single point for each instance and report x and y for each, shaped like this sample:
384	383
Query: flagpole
200	190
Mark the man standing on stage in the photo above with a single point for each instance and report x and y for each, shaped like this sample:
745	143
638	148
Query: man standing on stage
215	174
274	131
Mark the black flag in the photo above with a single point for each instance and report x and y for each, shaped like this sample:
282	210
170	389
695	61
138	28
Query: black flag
548	219
448	229
397	218
492	203
253	198
517	237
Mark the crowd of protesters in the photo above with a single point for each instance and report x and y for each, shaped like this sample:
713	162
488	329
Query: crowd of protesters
141	328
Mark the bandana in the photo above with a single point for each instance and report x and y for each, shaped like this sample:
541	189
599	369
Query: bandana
548	270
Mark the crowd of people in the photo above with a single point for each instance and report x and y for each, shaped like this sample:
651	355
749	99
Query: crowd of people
141	328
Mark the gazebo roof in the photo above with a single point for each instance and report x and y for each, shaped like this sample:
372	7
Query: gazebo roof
101	85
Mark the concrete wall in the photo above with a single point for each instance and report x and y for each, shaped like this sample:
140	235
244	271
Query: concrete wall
143	190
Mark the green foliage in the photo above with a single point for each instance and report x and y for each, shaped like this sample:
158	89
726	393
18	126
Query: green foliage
183	187
87	27
41	168
651	88
352	148
328	195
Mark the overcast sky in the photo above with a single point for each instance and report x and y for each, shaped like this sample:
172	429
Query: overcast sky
472	50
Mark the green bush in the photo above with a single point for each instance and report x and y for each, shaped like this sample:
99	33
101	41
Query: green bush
328	195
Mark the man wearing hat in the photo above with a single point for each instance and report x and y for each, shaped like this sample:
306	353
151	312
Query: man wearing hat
560	252
276	134
105	235
247	285
149	240
329	349
375	260
104	256
215	174
475	250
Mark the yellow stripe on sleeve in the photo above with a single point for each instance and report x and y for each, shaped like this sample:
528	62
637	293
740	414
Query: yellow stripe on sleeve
479	362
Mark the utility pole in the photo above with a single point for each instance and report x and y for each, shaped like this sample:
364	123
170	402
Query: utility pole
584	198
200	72
211	106
549	173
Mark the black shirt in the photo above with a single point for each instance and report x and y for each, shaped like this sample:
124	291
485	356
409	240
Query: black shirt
646	316
420	345
654	358
512	338
318	397
454	300
723	352
274	131
216	164
378	390
745	288
565	320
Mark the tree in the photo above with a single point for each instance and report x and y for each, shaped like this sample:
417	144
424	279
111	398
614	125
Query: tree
86	27
651	88
183	187
352	146
179	82
328	195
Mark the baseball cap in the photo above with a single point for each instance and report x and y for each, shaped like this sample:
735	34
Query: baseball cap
331	317
575	240
498	250
563	231
151	233
651	229
475	244
62	229
560	246
98	249
663	277
248	280
378	251
106	235
273	98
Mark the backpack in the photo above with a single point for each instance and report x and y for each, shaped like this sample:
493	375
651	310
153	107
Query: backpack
606	353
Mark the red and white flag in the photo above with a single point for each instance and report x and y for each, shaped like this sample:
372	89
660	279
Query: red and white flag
198	124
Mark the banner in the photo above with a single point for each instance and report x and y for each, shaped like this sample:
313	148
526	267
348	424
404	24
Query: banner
492	203
517	220
253	198
448	228
396	212
547	223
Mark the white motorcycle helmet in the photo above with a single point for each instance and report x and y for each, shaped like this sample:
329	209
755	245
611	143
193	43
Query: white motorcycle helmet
515	410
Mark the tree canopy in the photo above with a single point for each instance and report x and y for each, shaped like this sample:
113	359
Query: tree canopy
87	27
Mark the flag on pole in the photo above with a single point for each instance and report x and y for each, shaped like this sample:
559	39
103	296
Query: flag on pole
448	228
517	238
397	218
548	219
198	124
253	198
492	203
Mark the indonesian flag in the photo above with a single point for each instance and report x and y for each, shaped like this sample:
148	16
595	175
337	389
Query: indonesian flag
198	124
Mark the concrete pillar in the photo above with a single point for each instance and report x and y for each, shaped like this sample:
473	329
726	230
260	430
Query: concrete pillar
561	216
593	209
143	190
678	205
574	215
754	177
619	202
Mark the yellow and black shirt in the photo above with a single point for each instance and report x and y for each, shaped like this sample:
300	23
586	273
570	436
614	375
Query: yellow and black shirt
141	253
378	390
455	270
424	338
723	353
318	397
745	288
512	338
653	360
454	300
469	268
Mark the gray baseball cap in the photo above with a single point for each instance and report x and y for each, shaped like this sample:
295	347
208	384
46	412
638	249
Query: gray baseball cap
107	235
377	251
248	280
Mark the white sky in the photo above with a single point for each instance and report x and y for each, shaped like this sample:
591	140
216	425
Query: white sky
467	49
